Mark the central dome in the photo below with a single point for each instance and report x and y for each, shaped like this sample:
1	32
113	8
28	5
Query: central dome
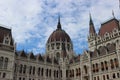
59	44
59	35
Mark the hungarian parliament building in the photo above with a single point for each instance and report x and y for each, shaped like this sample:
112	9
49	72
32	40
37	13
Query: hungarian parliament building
100	62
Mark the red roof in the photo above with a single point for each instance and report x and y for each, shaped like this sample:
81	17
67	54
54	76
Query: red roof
108	26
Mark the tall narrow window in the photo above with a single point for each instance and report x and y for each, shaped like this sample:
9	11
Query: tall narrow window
98	78
114	75
102	66
20	78
33	70
112	64
24	70
30	70
58	55
47	72
42	71
50	73
79	71
6	63
52	45
103	77
61	73
4	75
85	68
108	77
15	67
0	74
93	66
54	73
66	73
6	40
58	45
23	78
118	75
1	62
97	69
76	72
116	63
72	73
94	78
106	66
20	70
39	71
57	73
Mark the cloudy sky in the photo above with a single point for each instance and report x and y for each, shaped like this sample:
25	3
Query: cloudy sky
32	21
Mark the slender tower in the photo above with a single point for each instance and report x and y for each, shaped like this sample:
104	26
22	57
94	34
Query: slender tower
92	35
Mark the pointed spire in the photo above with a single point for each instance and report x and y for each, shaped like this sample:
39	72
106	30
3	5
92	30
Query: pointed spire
113	14
91	22
91	26
59	24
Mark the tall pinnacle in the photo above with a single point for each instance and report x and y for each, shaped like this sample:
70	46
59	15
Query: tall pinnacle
91	22
91	26
59	24
113	14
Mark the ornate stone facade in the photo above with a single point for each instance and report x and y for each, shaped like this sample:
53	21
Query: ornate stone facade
100	62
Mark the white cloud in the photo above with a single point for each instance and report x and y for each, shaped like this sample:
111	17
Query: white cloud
34	20
21	16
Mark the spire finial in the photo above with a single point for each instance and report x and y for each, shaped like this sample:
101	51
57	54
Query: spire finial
91	22
113	14
59	18
59	24
90	16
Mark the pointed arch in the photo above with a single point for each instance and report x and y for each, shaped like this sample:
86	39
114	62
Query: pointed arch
111	47
103	50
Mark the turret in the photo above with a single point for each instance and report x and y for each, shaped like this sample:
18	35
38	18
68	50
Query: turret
92	35
92	31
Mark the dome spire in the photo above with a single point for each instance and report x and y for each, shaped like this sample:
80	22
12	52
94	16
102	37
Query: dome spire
59	24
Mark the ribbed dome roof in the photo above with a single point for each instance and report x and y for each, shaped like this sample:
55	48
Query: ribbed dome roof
59	35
